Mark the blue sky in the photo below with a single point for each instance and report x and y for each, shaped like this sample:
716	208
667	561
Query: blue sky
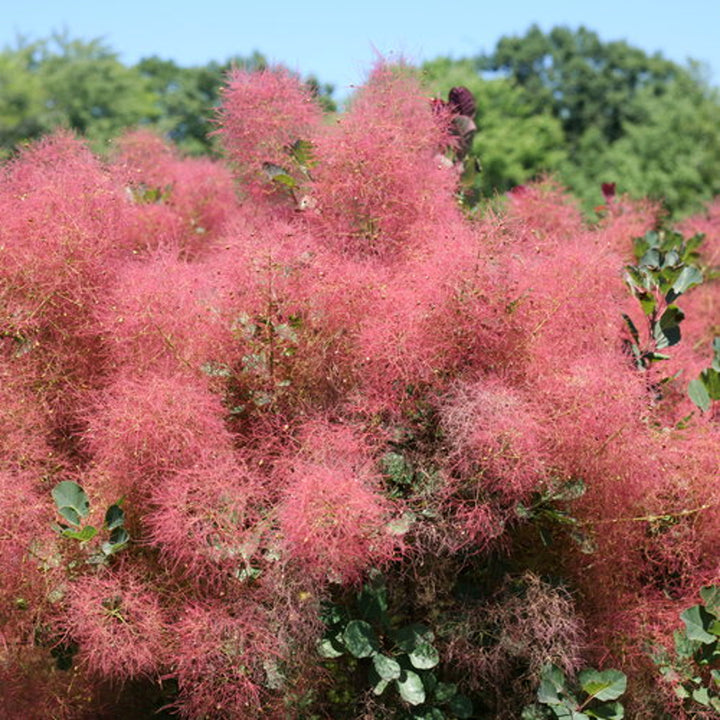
338	41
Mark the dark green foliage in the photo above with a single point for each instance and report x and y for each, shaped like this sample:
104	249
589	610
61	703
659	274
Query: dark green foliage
590	111
706	388
583	81
547	510
74	506
693	669
594	695
397	660
83	86
666	269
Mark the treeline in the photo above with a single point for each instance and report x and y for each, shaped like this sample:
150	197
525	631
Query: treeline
589	112
563	102
83	86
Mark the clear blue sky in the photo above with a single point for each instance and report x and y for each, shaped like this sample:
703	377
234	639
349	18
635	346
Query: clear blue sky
338	40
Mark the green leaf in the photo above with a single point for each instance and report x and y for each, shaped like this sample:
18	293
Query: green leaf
71	500
608	711
119	538
396	468
534	712
279	175
386	667
461	707
697	621
444	692
552	684
424	656
656	356
698	394
380	685
114	517
401	525
411	687
684	646
372	600
409	637
711	380
333	615
689	277
302	151
701	695
666	331
605	685
360	639
651	258
633	330
647	302
83	535
329	647
716	351
710	596
572	489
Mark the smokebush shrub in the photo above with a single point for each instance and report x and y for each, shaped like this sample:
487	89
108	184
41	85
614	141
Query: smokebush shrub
287	375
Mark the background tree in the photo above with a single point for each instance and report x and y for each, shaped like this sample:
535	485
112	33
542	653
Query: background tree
514	142
84	87
81	86
590	111
186	97
582	81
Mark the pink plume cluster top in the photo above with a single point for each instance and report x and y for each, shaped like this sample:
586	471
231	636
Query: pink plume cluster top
234	347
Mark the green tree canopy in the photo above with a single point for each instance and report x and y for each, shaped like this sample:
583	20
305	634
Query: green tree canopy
581	80
590	111
185	97
515	142
78	85
83	86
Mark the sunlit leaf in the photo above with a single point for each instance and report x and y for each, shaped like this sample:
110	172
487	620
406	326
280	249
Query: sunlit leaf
697	620
411	687
603	685
386	667
71	500
360	639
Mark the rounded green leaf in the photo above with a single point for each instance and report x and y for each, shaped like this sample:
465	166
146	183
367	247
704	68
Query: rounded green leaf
606	711
606	685
697	622
699	394
83	535
461	707
410	636
411	687
329	648
380	686
444	692
360	639
424	656
114	517
702	696
119	536
386	667
689	277
552	683
71	500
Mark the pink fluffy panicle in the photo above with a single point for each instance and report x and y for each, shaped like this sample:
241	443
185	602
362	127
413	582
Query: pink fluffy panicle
262	113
